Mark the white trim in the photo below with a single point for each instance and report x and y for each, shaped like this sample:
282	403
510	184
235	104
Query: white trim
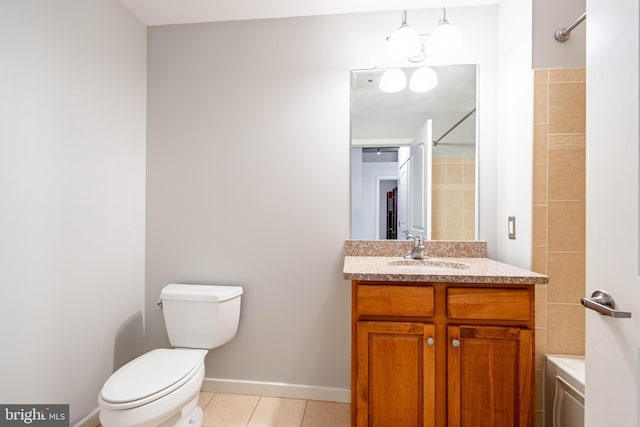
381	142
91	420
378	201
292	391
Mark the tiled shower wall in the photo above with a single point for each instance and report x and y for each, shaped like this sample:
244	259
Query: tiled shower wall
558	214
453	196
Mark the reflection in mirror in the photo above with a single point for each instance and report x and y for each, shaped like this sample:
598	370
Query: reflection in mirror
413	157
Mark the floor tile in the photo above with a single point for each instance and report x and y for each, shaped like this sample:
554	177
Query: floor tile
324	414
277	412
229	410
205	398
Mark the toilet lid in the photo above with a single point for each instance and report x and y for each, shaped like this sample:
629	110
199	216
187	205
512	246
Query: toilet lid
152	373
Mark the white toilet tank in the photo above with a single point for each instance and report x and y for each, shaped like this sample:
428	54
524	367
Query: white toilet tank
201	316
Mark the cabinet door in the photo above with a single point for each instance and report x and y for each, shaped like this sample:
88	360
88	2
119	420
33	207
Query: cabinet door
395	374
490	376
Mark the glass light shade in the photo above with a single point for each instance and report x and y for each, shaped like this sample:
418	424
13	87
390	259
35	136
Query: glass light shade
444	41
405	42
423	80
393	80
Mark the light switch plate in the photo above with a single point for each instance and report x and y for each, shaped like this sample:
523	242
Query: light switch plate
512	227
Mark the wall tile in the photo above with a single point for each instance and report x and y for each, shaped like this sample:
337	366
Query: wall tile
470	200
541	76
558	218
469	222
455	235
439	174
554	140
566	226
469	174
439	200
539	226
539	378
438	235
564	75
565	329
455	173
539	184
541	306
539	259
566	271
541	347
455	200
455	220
567	107
540	143
567	172
439	221
540	103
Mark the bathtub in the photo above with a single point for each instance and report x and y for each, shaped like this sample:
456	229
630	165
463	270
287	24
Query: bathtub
564	391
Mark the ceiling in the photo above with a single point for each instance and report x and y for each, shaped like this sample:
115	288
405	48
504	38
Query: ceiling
165	12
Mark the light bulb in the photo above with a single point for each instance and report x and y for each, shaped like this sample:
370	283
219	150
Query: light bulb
405	42
393	80
423	80
445	40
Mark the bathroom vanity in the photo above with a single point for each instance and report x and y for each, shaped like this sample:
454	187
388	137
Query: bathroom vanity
442	342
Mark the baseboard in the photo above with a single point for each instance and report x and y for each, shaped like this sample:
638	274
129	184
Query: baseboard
91	420
291	391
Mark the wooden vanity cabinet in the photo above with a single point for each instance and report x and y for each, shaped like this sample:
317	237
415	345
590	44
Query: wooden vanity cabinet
442	355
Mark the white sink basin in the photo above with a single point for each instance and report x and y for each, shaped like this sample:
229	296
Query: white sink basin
428	264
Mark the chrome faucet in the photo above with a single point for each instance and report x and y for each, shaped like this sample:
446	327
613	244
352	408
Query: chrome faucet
418	247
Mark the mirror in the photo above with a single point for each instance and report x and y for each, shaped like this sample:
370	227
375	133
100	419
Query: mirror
413	157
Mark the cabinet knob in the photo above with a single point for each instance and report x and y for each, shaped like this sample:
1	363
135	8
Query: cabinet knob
455	343
430	341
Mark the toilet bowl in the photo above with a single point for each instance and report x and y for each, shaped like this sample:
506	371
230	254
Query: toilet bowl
161	387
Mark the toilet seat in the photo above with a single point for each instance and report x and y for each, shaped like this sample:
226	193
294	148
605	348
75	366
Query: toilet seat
150	377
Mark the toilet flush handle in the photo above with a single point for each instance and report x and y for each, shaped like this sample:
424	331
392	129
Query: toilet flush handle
159	304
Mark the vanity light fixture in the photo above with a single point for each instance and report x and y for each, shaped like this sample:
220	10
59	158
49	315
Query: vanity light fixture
407	43
393	80
445	40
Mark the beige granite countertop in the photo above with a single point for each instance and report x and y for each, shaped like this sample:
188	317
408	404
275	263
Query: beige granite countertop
480	270
359	265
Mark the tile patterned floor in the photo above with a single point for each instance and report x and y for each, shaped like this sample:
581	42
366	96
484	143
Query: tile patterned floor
236	410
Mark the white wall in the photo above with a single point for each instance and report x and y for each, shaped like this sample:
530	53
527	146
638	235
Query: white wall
515	132
248	176
72	165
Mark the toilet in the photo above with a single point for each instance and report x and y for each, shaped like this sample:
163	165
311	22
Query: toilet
161	387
